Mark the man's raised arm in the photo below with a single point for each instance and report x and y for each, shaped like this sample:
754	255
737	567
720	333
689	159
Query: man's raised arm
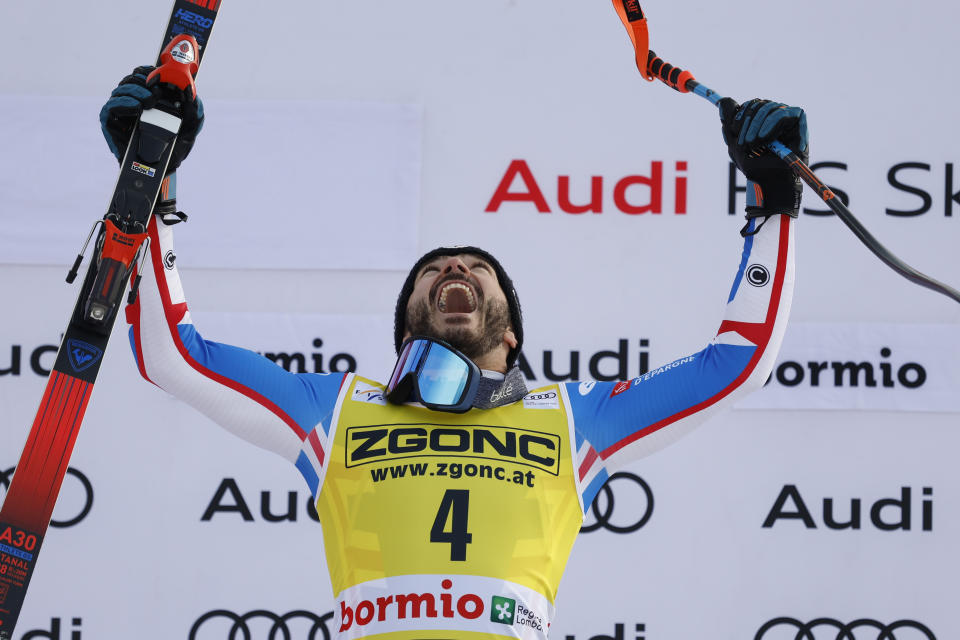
239	389
621	421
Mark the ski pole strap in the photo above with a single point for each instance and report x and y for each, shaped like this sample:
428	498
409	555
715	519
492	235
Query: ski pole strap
672	76
636	24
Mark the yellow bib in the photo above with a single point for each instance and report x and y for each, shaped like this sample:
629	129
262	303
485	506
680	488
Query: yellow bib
440	522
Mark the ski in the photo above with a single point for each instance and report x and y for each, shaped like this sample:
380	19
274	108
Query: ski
121	242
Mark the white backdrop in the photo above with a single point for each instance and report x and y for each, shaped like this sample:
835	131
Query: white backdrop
471	92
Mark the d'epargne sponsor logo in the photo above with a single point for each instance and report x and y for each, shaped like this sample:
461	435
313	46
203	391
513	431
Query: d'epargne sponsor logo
445	603
622	386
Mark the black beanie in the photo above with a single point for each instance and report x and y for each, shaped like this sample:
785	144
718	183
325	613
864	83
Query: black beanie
516	319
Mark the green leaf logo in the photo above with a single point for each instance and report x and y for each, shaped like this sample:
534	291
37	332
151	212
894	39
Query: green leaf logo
502	610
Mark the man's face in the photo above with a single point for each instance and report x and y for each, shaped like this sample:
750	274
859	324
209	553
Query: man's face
458	299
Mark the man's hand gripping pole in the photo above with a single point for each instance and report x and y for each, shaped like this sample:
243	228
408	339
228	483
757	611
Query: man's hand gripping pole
652	67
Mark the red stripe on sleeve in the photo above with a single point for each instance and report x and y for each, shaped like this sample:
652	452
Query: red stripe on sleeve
315	443
588	462
171	310
762	332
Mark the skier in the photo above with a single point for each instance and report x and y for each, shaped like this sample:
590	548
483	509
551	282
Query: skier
451	496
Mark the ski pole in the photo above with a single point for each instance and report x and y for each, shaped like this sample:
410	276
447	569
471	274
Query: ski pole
653	67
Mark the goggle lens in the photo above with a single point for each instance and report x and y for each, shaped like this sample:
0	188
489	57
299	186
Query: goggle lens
435	374
407	362
443	377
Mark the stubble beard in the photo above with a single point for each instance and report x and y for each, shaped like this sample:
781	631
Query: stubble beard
494	322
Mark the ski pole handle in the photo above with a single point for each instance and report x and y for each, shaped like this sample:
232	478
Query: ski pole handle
674	77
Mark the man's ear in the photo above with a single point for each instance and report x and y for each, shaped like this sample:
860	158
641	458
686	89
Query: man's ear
510	338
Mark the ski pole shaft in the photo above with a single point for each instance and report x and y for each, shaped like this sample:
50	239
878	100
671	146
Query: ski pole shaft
684	82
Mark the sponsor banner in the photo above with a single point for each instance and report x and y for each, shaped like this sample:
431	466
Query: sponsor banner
315	196
901	367
443	603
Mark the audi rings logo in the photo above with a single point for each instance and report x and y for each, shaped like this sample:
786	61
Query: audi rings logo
830	629
548	395
757	275
624	510
76	498
260	624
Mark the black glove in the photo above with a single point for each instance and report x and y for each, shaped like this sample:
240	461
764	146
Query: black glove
131	97
746	130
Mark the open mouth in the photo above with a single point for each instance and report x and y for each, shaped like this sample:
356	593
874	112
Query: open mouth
456	297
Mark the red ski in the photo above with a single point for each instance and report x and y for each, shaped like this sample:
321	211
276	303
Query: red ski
121	241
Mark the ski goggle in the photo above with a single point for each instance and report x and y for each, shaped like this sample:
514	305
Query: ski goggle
435	374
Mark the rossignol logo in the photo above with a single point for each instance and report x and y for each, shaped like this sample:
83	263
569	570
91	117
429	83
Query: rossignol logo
631	194
885	514
144	169
82	355
169	260
412	606
379	443
833	629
